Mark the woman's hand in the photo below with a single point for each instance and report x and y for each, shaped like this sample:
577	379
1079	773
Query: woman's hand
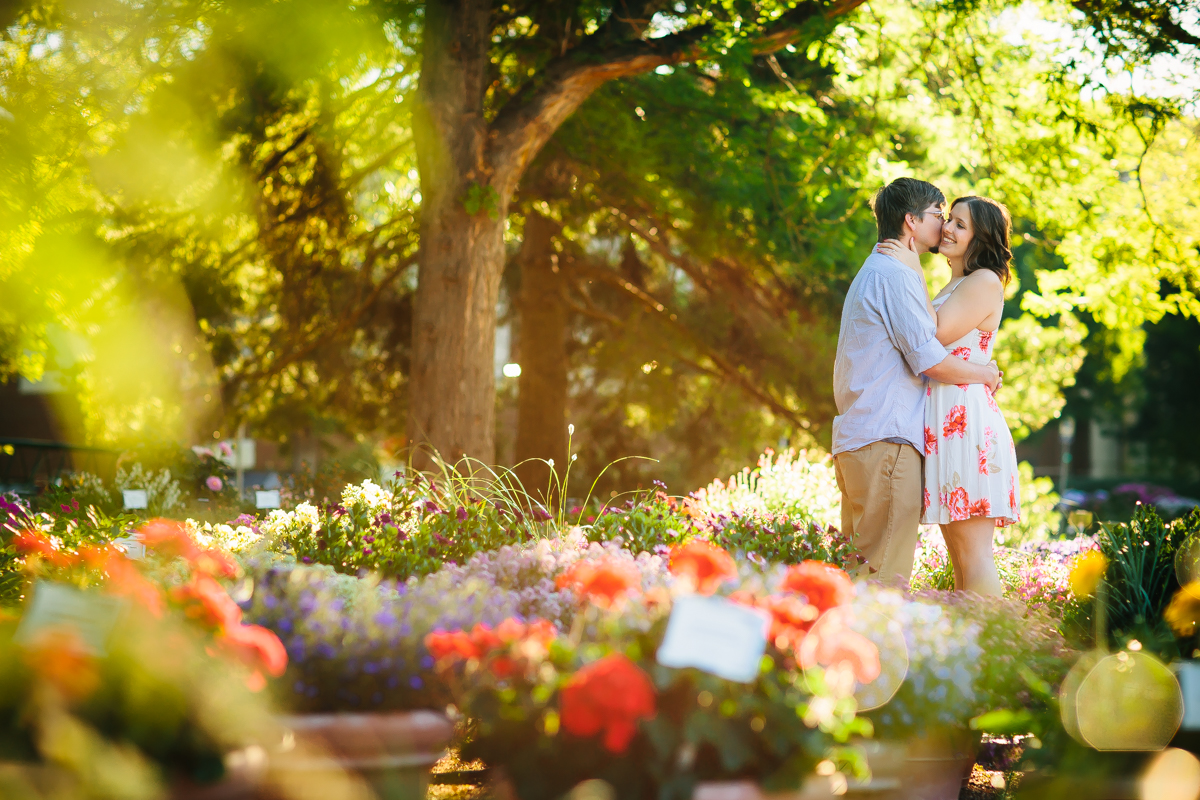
906	254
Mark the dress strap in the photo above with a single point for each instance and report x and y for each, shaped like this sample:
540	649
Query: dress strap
944	297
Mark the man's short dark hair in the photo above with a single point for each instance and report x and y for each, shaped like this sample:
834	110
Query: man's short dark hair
901	197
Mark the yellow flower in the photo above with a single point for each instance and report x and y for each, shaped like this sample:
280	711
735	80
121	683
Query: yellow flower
1086	573
1184	610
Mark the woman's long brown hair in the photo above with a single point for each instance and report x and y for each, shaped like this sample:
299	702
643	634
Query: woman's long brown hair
989	247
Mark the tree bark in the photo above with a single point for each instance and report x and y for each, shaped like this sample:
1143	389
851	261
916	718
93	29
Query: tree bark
451	411
542	387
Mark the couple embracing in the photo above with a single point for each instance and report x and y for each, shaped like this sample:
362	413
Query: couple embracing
919	437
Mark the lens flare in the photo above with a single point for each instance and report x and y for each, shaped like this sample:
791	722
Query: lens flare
887	635
1187	561
1173	775
1129	701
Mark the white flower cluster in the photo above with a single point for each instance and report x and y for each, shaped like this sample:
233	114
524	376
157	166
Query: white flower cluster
800	484
367	495
88	484
303	518
162	491
234	539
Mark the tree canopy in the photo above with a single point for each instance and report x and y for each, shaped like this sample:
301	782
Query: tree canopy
223	210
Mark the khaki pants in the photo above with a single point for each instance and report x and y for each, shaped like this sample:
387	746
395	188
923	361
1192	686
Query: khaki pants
881	506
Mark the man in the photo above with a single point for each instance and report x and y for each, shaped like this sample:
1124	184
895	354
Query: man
888	340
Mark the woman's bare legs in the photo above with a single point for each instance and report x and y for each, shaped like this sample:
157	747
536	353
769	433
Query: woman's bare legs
970	544
955	558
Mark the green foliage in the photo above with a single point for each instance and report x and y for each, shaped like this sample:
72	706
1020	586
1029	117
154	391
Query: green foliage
1139	582
482	200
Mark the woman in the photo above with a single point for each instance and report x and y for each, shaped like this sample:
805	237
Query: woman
971	483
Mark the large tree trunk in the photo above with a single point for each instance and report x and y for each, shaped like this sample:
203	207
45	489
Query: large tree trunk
542	387
452	404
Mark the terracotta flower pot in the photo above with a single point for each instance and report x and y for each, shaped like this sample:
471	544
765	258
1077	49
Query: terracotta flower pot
389	753
361	756
932	766
815	788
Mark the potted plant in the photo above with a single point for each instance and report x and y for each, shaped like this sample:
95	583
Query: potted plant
113	680
551	708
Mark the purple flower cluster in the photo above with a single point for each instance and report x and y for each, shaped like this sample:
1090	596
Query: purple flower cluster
353	643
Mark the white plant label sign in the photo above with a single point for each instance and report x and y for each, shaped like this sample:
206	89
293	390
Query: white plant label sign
717	636
135	498
55	605
266	499
131	546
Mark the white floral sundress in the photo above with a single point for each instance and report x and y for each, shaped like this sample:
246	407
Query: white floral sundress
970	459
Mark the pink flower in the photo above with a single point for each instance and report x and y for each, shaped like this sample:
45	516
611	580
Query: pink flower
985	340
962	352
213	483
931	441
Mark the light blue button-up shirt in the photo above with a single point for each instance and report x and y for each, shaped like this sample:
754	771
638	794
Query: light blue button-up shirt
887	340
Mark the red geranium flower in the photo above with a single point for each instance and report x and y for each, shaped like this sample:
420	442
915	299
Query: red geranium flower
791	617
169	538
34	543
824	585
504	648
704	564
608	696
450	644
955	423
126	580
257	648
605	582
206	600
834	645
215	562
959	504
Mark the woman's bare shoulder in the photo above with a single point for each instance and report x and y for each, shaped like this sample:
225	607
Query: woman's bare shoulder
984	280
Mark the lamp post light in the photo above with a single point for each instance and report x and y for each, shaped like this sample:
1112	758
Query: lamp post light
1066	435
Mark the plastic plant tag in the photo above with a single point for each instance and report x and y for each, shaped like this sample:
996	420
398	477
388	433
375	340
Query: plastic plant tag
266	499
131	546
135	498
55	605
717	636
1188	673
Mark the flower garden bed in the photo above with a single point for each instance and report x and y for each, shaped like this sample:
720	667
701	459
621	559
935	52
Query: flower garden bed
539	630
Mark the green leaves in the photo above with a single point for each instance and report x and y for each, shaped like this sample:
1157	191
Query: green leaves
482	200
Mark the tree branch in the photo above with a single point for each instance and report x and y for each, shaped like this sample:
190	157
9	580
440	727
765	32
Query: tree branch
530	118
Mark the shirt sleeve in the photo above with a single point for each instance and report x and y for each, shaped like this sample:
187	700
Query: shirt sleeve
906	318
